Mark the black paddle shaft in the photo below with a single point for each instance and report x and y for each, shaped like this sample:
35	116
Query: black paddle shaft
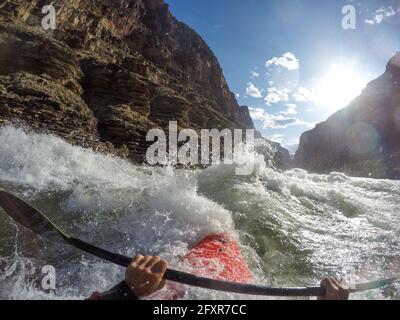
200	282
225	286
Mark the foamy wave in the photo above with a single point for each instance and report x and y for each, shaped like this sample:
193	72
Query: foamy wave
294	226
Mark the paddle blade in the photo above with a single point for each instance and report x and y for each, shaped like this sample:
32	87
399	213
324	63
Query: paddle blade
27	216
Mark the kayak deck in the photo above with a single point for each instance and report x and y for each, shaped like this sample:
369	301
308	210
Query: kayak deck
218	257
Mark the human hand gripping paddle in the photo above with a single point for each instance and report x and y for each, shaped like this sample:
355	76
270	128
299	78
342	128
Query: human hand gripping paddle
34	220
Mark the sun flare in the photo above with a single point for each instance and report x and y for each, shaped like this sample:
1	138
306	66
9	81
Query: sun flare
338	88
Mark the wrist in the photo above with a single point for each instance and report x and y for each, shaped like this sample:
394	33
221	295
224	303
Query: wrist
132	290
124	292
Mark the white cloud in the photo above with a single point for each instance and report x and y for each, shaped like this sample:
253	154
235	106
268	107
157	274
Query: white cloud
237	95
253	91
288	61
291	110
275	95
276	121
381	14
303	94
276	138
254	74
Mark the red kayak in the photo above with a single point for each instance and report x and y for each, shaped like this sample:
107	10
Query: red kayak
218	257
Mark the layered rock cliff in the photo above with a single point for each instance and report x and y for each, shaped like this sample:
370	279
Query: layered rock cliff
109	72
362	139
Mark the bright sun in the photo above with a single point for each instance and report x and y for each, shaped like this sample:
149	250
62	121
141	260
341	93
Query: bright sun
338	88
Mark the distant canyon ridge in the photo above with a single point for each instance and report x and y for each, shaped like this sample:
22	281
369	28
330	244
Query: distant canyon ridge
114	69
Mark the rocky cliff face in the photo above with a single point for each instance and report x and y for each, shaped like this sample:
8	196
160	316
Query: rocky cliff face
362	139
109	72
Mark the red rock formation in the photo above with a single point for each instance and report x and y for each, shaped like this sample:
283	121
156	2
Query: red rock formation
110	71
362	139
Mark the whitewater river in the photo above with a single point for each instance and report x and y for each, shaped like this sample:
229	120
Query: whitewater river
293	227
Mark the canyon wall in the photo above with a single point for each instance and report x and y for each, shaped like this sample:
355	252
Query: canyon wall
110	71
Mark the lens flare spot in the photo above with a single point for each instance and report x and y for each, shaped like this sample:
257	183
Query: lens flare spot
361	138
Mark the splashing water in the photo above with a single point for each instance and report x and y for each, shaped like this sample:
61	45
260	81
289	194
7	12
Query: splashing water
293	227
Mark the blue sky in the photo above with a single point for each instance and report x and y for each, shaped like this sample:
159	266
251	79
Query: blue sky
291	61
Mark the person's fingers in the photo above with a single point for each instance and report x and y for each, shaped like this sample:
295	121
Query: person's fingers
145	261
334	289
160	267
325	282
152	262
329	284
137	260
343	289
337	282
